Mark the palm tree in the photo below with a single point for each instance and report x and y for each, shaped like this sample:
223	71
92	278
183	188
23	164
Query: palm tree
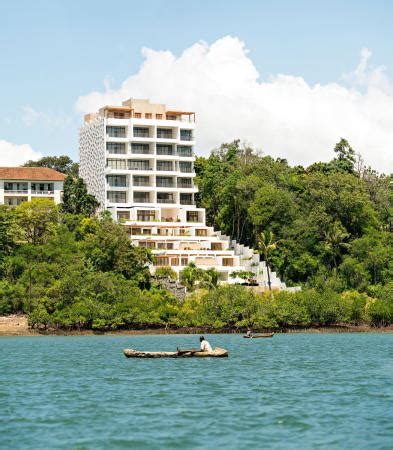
266	245
190	275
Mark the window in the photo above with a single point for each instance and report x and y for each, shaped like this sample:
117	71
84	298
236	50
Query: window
37	187
186	135
164	133
170	117
162	261
165	165
184	183
159	116
216	246
117	164
139	180
165	245
146	216
184	261
141	197
141	132
116	131
165	197
118	148
138	164
137	115
118	115
147	244
164	149
140	149
164	182
192	216
185	167
227	261
186	199
8	186
117	180
201	232
117	197
148	116
184	150
123	215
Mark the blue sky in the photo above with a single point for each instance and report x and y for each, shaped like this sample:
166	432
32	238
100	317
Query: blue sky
53	52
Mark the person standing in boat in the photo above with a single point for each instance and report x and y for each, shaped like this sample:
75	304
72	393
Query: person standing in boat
249	333
205	346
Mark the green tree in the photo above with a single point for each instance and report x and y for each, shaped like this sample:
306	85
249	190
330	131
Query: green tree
36	219
76	199
63	164
266	246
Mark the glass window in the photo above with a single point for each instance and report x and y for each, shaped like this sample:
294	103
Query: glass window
141	197
140	149
164	149
186	199
148	116
140	180
117	164
165	165
117	197
184	150
146	216
141	132
165	197
164	133
159	116
123	215
192	216
186	135
164	182
117	180
116	131
184	182
116	148
138	164
185	166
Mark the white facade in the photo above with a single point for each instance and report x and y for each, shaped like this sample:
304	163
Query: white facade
18	185
138	161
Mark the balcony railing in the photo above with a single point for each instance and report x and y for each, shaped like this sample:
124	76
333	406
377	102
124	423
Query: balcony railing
186	169
42	192
6	192
142	183
185	137
184	152
141	151
142	200
184	185
187	202
142	134
164	184
164	151
165	200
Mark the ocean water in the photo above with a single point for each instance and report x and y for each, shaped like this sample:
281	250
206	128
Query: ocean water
295	391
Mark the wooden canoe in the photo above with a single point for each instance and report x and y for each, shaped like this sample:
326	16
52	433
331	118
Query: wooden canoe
261	335
216	353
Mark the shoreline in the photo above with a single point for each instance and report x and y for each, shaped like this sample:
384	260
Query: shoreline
16	325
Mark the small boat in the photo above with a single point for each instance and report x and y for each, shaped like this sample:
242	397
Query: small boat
260	335
186	353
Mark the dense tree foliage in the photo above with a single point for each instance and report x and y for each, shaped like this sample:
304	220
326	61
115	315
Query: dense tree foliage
332	221
63	164
76	199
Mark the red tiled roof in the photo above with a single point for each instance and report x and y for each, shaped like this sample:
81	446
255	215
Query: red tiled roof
30	173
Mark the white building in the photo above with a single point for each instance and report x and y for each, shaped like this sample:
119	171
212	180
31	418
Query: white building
138	161
20	184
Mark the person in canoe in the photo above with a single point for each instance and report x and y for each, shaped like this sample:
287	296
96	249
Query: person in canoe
205	346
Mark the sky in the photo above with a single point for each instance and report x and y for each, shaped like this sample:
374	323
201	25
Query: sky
288	77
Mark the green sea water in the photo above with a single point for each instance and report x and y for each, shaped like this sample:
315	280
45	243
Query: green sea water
295	391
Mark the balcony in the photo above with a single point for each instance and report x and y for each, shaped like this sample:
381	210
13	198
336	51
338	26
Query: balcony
165	200
42	192
163	133
187	202
140	149
181	184
185	152
117	132
186	135
164	151
12	192
141	132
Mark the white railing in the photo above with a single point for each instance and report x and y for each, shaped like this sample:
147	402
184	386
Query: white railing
7	192
42	192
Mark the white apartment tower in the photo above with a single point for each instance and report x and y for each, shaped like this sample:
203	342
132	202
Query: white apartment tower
138	161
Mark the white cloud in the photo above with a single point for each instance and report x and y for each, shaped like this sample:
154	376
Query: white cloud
283	115
31	116
14	154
